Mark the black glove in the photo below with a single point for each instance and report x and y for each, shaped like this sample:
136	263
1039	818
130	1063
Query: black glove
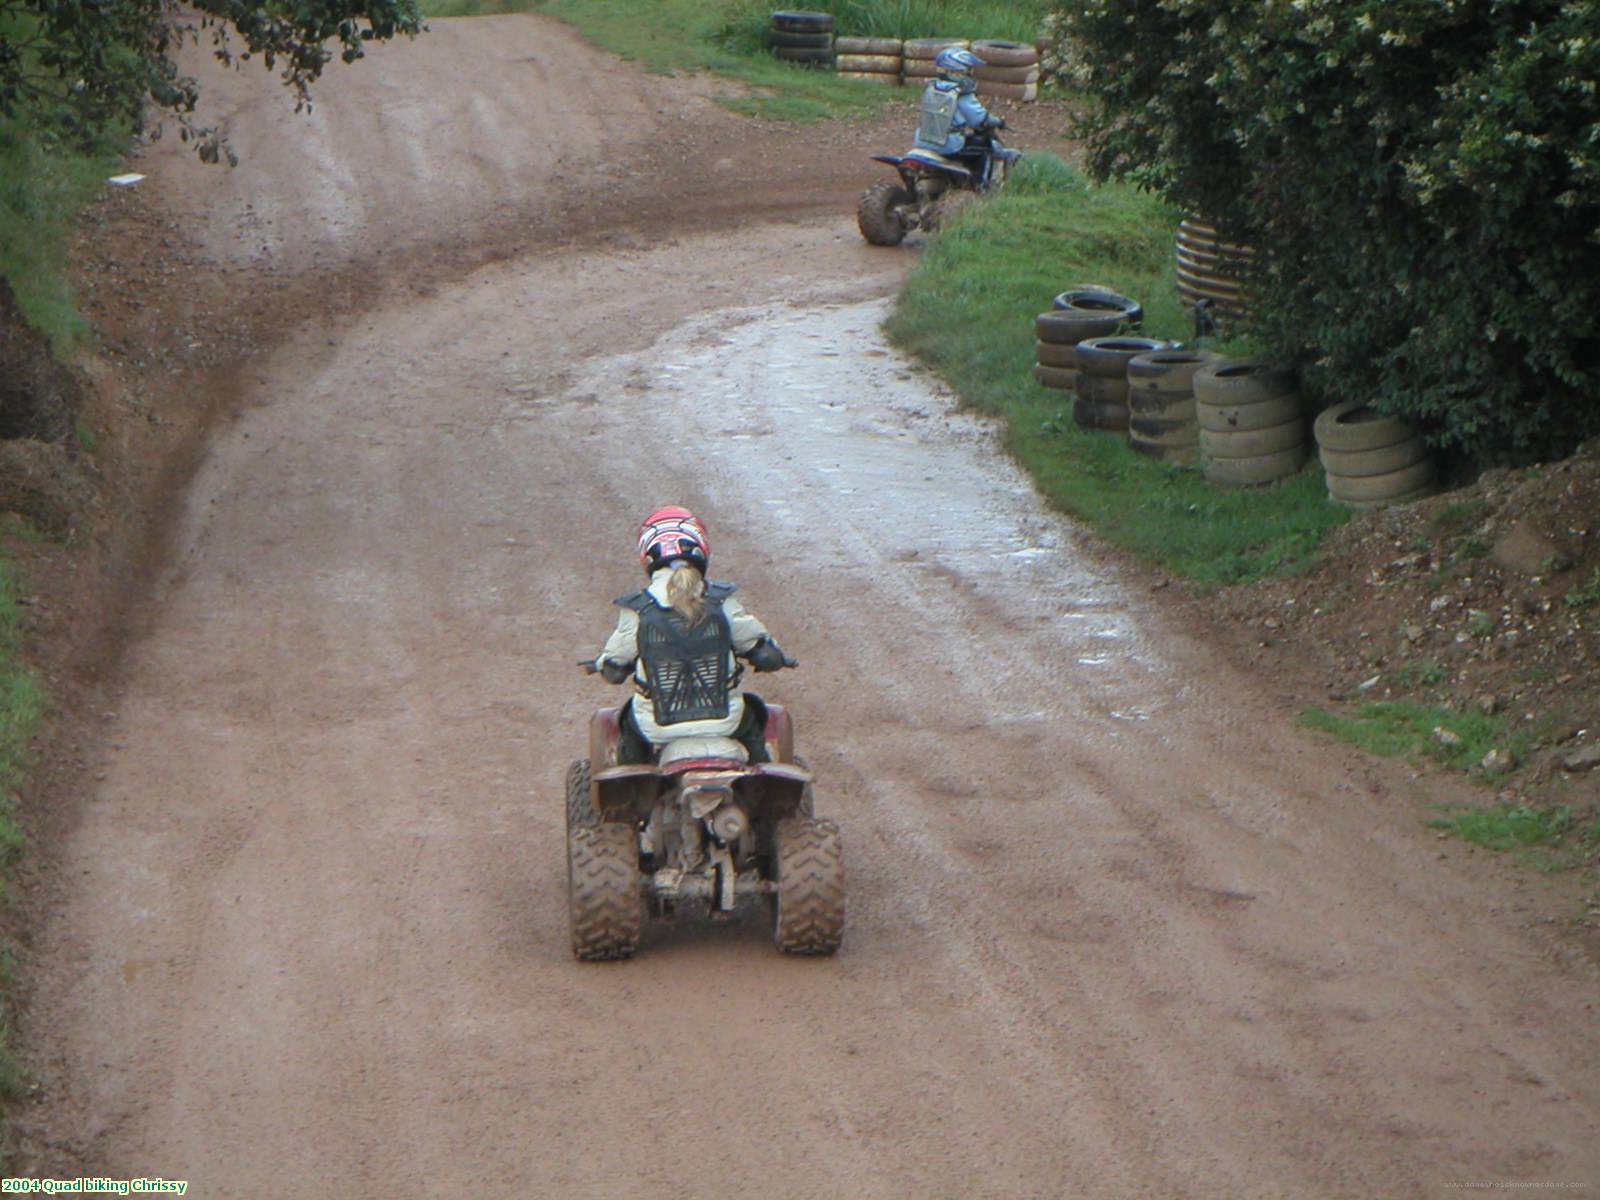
767	655
998	122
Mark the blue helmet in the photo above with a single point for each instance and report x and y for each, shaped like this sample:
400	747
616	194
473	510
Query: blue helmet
953	60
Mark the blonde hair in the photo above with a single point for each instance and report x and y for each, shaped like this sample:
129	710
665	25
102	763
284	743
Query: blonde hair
686	592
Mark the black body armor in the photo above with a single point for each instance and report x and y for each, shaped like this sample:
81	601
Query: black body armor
687	670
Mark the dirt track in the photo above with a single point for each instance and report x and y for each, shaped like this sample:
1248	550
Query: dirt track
1117	928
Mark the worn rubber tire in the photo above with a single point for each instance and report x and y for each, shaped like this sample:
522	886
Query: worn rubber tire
1357	464
1099	300
1164	406
1168	370
1253	443
917	68
1353	425
1108	357
800	41
805	57
869	45
1250	472
1008	91
1101	389
1163	431
867	64
1228	418
1052	354
1241	381
1184	454
927	48
1382	487
877	77
808	907
876	216
800	20
604	903
997	53
580	797
1068	327
1007	74
1106	416
1062	378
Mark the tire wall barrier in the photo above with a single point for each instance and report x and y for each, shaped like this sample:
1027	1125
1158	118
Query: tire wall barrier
802	37
1161	407
1211	269
1010	70
1370	458
918	53
1074	316
1102	382
1252	429
871	60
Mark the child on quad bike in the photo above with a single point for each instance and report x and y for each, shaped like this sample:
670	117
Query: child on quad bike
679	639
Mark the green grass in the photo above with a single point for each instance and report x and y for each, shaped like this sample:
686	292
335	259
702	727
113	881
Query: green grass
1551	839
968	311
22	703
1425	672
45	182
1585	595
728	37
1404	727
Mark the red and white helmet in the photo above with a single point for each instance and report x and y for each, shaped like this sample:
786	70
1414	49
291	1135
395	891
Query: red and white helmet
670	534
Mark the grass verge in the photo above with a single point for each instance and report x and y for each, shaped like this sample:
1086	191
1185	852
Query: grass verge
729	38
968	311
45	182
22	703
1406	728
1548	839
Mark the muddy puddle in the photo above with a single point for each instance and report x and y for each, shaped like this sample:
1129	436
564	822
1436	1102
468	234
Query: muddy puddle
864	464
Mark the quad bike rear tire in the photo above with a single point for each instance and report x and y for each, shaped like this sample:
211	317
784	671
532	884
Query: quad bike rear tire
945	209
808	905
604	903
808	794
876	217
580	797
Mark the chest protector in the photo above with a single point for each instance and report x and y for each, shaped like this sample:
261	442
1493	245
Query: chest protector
938	115
686	668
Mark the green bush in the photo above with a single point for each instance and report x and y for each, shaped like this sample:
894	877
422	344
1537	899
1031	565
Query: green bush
1421	179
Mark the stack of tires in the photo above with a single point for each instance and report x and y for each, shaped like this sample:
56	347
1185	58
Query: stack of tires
1210	269
1161	408
1102	381
803	37
1074	316
1010	70
871	60
919	54
1371	458
1252	428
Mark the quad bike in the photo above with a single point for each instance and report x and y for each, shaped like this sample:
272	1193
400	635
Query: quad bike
698	830
932	187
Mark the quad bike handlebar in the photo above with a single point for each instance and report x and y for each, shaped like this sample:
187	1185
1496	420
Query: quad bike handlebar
788	661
